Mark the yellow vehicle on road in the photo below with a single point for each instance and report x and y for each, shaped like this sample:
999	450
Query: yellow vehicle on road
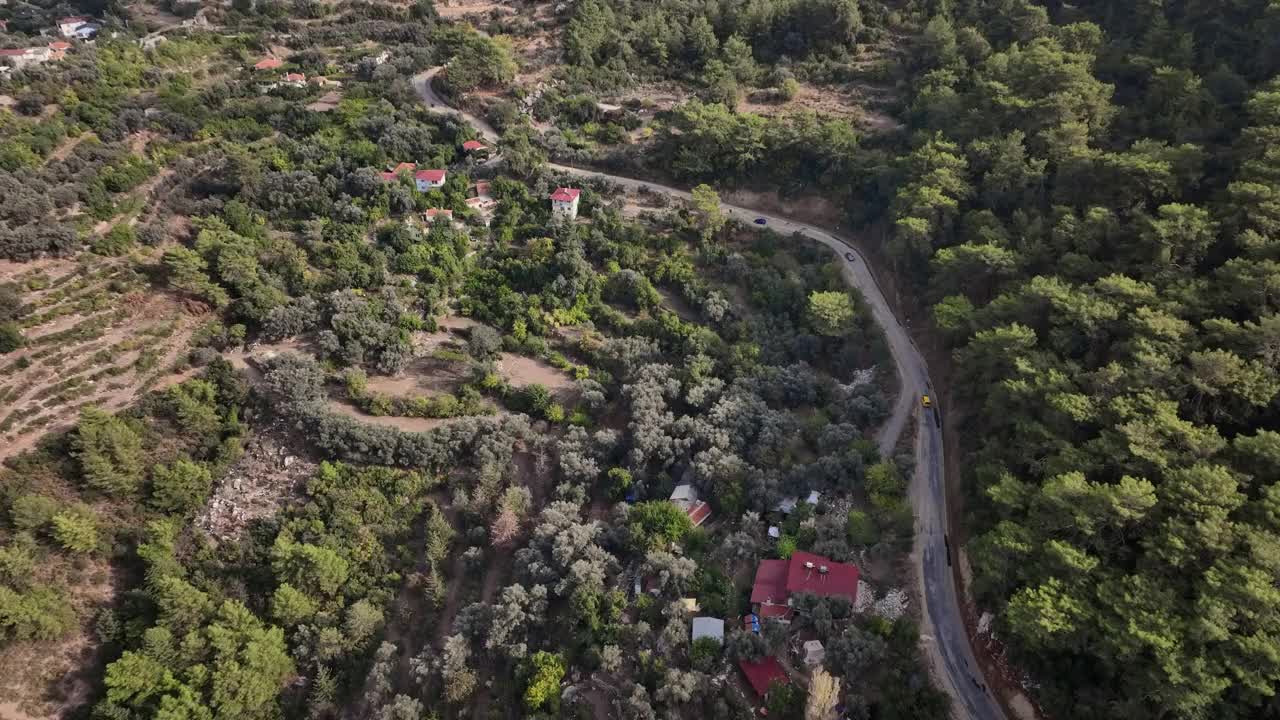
925	402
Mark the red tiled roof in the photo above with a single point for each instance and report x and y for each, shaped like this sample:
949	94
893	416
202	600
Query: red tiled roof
771	582
387	176
840	579
777	580
13	52
433	176
773	611
295	77
565	194
59	45
403	166
473	145
699	513
270	63
431	213
763	673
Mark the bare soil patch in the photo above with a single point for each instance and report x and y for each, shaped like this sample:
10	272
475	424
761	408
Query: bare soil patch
261	482
677	305
520	371
813	209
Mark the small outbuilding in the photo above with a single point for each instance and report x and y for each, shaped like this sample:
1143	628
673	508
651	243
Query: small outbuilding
763	674
707	627
814	653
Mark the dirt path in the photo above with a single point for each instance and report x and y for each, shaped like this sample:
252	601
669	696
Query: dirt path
453	597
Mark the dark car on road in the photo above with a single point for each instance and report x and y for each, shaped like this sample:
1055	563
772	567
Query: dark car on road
761	221
850	257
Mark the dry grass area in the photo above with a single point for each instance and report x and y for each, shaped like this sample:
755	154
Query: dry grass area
42	680
95	336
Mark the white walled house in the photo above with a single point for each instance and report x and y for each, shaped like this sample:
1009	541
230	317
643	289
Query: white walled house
564	202
68	26
429	179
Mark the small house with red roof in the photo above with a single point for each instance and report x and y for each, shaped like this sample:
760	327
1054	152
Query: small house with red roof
58	49
564	202
473	146
295	79
685	497
429	179
762	674
394	173
777	580
268	63
433	214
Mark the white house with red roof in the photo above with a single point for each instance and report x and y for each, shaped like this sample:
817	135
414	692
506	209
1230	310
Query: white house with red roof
76	26
295	79
777	580
564	202
17	58
429	179
268	63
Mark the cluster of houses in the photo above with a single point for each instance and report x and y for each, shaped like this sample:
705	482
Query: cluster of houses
775	585
71	28
776	581
289	79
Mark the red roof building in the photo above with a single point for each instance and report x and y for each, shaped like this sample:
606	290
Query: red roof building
431	176
13	52
763	673
777	580
295	77
59	45
698	513
473	145
565	194
270	63
403	167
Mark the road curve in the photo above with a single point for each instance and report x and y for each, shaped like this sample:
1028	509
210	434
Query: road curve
945	639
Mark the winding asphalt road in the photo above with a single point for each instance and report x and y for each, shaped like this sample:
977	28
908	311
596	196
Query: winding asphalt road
943	631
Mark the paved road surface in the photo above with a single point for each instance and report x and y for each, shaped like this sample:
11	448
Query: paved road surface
947	643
